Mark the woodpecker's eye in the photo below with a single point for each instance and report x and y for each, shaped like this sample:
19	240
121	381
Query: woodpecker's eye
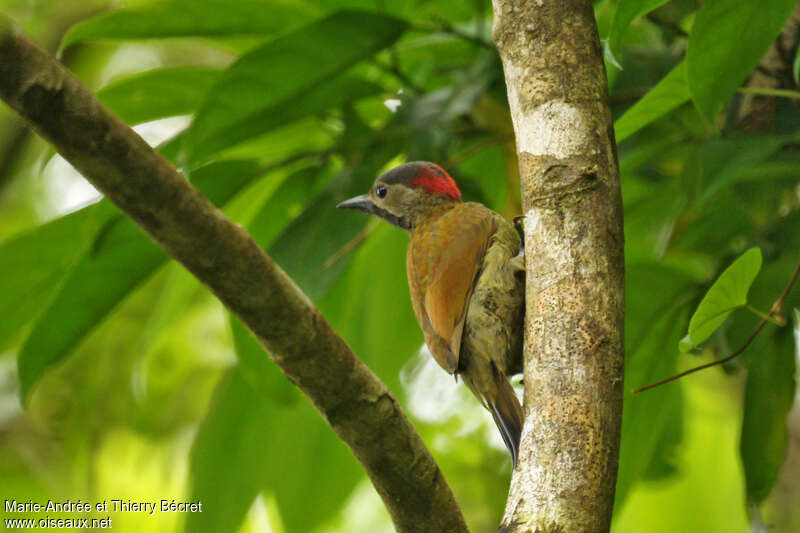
380	191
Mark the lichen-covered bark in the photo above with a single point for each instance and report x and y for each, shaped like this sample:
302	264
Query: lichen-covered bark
565	478
224	257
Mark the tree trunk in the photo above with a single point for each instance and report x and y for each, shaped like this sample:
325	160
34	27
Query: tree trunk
558	96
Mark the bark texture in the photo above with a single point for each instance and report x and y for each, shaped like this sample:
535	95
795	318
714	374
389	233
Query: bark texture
223	256
756	112
557	92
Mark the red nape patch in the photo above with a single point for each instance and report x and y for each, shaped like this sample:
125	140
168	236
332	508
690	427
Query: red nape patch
436	181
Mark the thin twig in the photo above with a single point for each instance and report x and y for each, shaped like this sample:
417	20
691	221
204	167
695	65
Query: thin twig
776	307
667	25
350	245
775	311
765	71
394	70
465	154
780	93
442	26
627	97
452	30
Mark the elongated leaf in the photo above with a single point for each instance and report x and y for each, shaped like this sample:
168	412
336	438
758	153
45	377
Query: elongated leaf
796	67
668	94
643	433
33	264
248	444
261	373
120	258
726	295
313	247
230	455
266	82
329	93
728	39
724	161
307	249
289	200
158	93
192	18
654	322
371	308
768	398
771	374
626	12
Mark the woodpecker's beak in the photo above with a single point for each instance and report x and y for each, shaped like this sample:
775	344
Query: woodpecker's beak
362	203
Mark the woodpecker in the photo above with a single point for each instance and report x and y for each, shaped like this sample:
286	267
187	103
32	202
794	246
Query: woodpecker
466	280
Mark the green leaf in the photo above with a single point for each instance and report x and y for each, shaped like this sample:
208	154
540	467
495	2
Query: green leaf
248	444
230	455
120	258
291	76
288	201
370	306
191	18
668	94
626	11
158	93
728	39
306	247
654	322
796	67
34	263
726	295
261	373
723	161
214	131
768	398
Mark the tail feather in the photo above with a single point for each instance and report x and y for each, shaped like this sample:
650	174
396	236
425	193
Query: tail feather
507	414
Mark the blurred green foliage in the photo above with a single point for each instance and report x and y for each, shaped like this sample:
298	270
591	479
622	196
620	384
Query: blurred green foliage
135	382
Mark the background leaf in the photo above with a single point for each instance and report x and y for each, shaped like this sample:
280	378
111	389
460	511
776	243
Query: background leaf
183	18
158	93
768	398
307	248
725	160
34	263
120	258
654	322
262	83
626	11
771	380
670	92
724	48
220	131
233	459
728	293
255	366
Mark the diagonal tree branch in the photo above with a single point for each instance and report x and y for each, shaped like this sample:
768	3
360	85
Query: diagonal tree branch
557	93
143	184
21	133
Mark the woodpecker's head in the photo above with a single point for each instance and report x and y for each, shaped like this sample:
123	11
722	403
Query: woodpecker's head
408	194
